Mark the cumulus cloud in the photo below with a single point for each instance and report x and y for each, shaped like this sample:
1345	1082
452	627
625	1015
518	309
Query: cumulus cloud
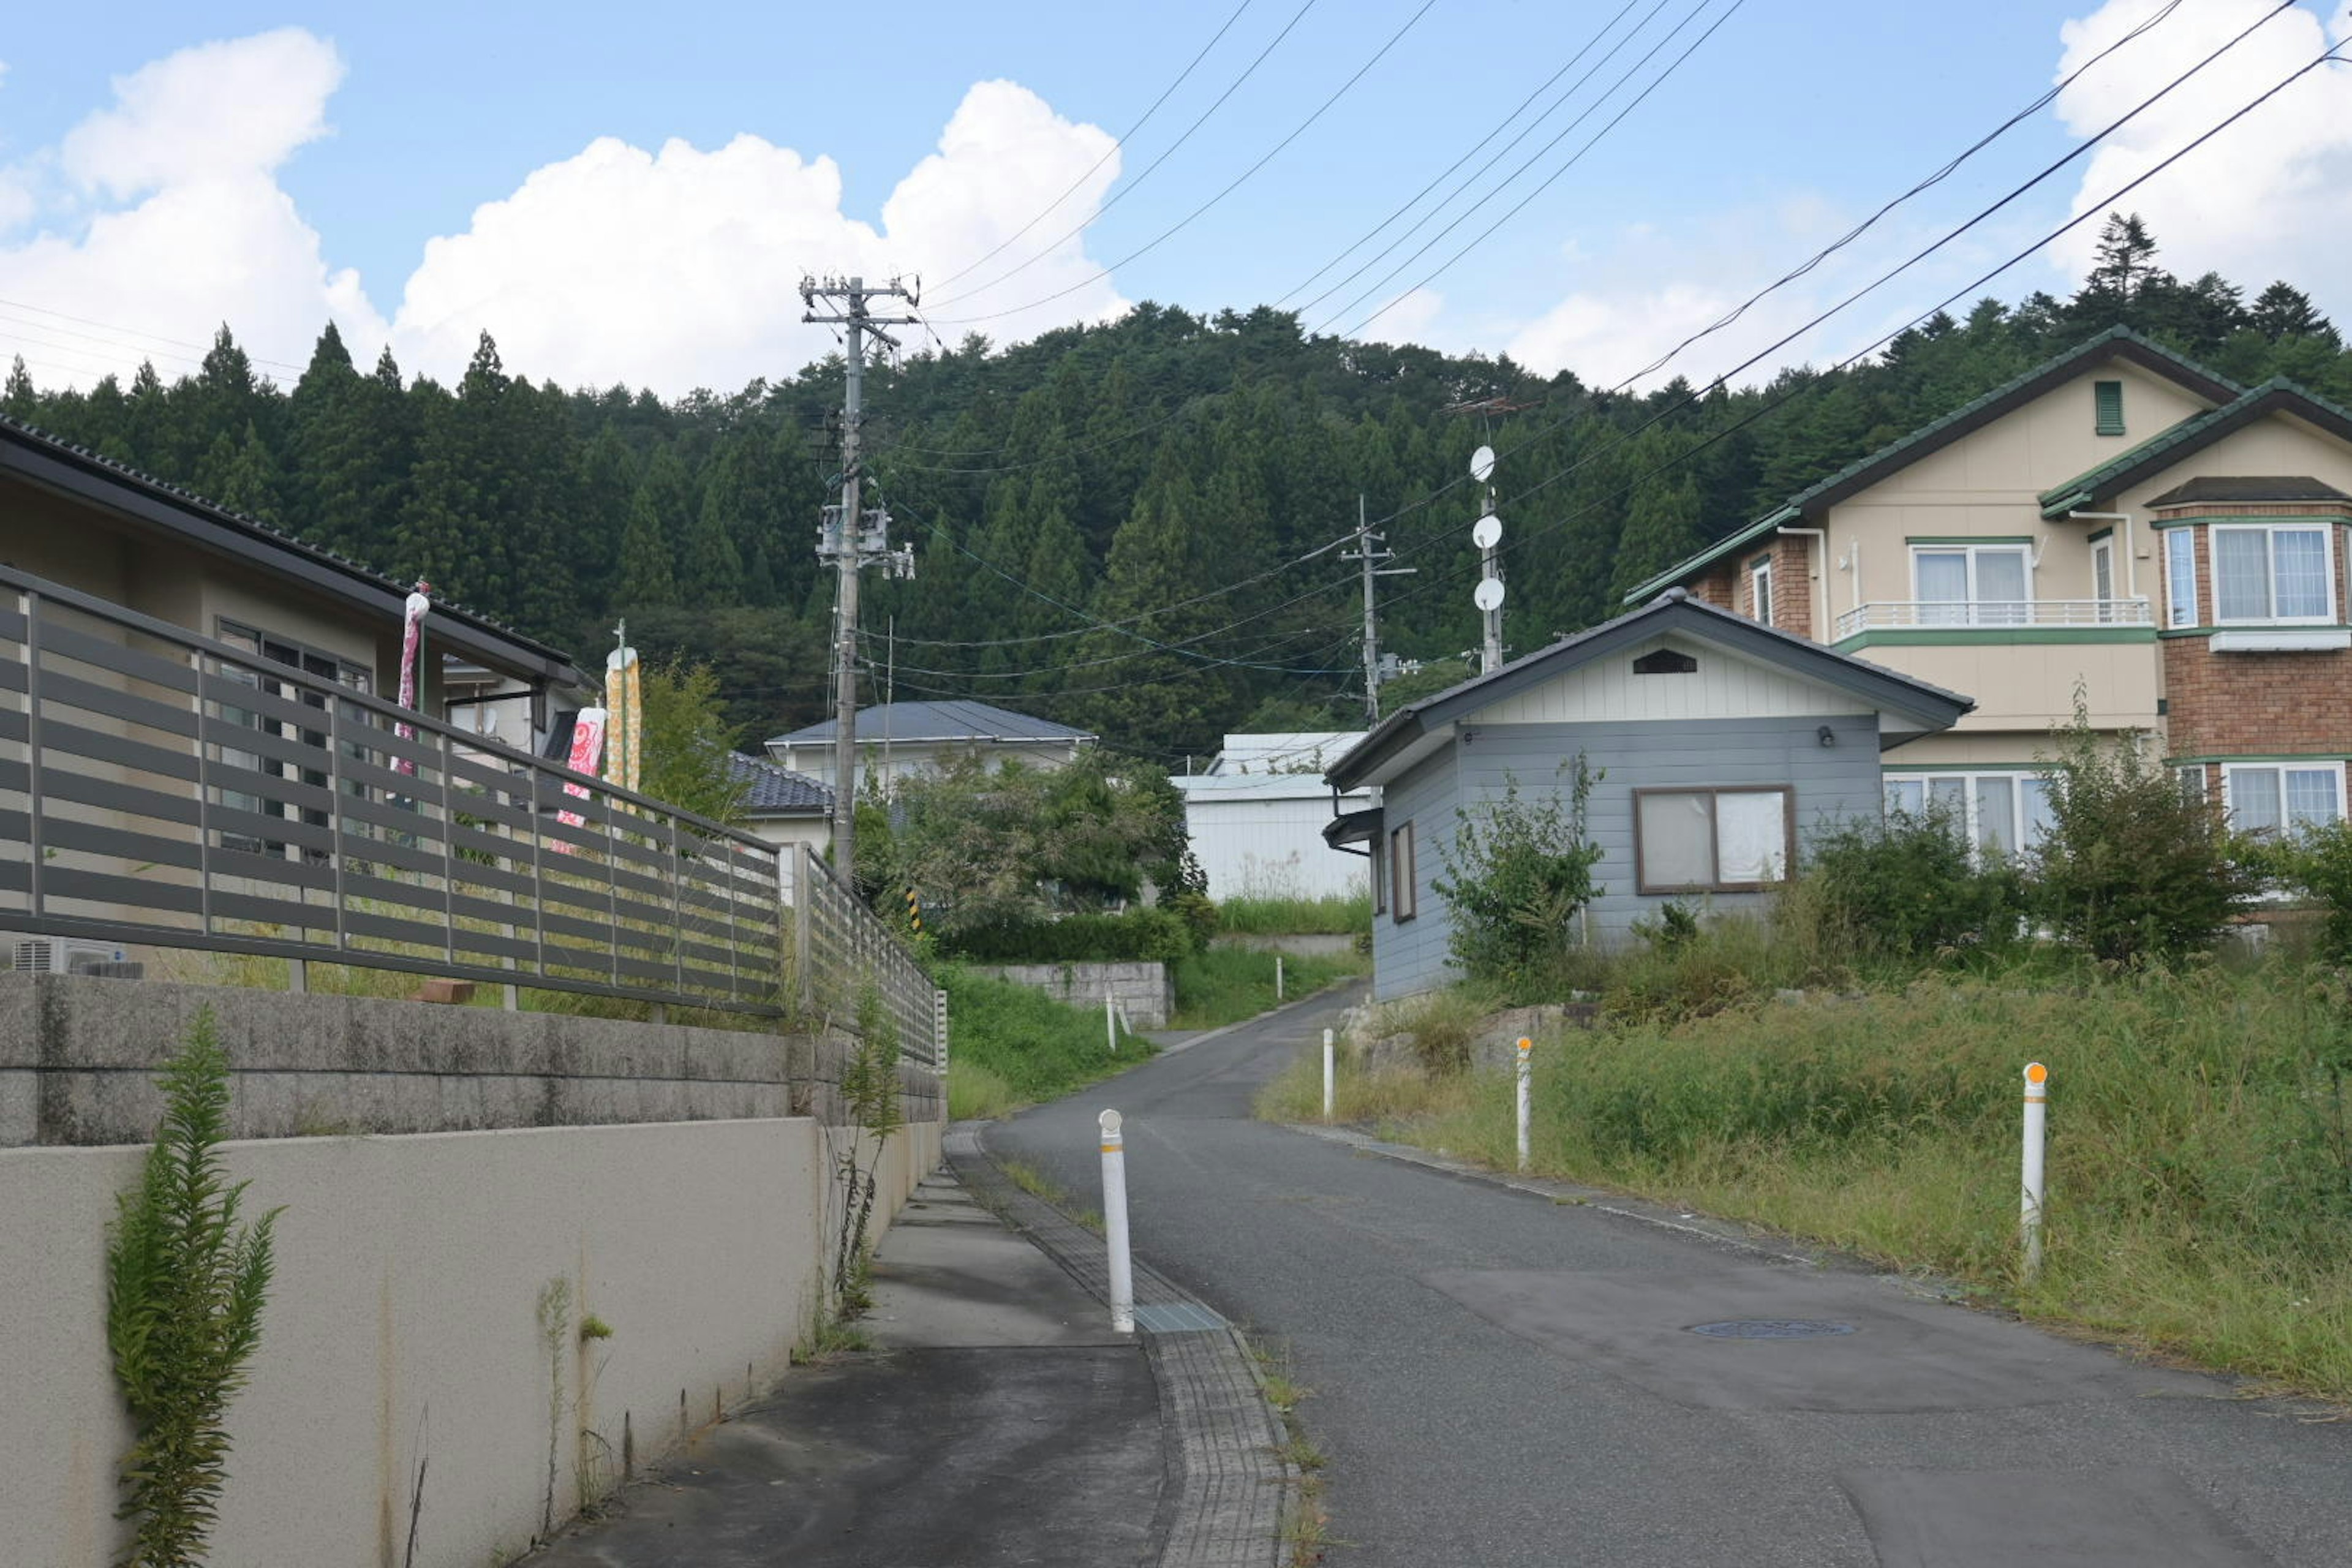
164	212
2264	199
682	268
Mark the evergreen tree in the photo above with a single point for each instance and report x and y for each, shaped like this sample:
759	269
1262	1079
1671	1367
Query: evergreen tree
18	399
658	515
2281	310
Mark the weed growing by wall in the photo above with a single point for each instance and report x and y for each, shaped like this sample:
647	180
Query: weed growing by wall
184	1287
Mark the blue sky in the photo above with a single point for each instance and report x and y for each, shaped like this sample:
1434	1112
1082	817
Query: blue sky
302	163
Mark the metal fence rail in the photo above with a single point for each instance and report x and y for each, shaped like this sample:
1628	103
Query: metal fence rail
840	948
161	787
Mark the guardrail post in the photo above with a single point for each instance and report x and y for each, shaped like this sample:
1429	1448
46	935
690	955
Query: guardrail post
2037	1096
1114	1181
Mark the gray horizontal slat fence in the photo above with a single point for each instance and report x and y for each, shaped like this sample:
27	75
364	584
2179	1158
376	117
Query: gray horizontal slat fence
840	948
162	787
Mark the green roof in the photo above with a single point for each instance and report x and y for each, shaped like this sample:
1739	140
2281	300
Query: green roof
1977	411
2168	445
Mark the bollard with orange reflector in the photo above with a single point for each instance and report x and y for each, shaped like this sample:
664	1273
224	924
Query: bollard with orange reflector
2037	1107
1526	1048
1114	1181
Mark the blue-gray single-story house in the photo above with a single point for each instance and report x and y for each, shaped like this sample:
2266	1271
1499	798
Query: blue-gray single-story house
1720	745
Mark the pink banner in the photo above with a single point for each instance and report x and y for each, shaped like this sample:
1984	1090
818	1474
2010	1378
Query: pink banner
587	749
412	641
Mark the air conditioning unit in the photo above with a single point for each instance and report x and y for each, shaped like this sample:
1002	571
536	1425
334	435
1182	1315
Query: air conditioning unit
57	954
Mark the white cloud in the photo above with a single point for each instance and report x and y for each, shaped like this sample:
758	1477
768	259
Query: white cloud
2264	199
682	268
164	213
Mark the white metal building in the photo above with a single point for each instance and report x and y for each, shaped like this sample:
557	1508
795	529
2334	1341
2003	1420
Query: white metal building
1256	817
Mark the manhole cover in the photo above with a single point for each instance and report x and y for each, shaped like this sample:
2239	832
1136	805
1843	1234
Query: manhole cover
1771	1329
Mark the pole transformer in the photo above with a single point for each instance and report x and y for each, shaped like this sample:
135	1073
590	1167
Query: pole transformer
1369	550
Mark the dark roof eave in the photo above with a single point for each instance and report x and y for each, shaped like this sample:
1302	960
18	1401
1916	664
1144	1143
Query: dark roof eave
57	467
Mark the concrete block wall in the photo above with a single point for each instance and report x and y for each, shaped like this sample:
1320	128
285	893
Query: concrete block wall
1143	989
402	1330
79	1057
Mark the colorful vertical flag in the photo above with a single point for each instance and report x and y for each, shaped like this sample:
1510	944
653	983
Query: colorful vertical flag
587	747
412	648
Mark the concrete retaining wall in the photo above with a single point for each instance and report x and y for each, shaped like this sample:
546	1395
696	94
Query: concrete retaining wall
77	1059
403	1332
1316	945
1143	989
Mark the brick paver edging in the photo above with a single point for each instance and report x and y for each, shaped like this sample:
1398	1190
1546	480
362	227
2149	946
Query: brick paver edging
1225	1509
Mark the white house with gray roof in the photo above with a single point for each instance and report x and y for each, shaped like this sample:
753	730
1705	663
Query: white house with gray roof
1721	747
902	739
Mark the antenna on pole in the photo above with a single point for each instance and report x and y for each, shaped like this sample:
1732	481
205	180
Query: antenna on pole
1486	533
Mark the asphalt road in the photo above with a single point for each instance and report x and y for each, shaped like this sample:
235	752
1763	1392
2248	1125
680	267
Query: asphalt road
1500	1380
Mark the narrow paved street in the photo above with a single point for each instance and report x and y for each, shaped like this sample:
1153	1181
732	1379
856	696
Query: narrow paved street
1501	1380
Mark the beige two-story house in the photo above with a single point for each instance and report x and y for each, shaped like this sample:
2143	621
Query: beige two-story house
2118	520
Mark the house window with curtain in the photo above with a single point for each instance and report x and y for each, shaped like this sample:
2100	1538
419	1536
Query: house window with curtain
2273	573
1996	813
2281	796
1734	839
2179	577
1972	585
1403	897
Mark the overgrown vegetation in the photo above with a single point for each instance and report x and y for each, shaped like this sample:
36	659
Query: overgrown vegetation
1138	935
1028	1047
185	1287
1517	873
872	1108
1332	914
1227	985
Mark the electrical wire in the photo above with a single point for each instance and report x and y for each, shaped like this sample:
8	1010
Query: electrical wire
1238	180
1112	152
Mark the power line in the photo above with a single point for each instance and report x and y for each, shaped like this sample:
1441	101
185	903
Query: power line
1111	152
135	333
1116	196
1154	244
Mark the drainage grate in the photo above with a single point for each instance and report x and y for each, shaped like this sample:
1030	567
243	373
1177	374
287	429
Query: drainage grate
1177	1317
1771	1329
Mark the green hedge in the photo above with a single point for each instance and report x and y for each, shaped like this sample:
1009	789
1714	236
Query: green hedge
1135	936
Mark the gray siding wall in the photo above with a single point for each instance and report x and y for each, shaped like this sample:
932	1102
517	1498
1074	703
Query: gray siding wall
1410	955
1831	782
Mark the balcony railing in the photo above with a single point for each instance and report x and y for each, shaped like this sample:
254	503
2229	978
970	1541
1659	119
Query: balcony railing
1992	614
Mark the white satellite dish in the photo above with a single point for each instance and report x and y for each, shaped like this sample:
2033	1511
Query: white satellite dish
1482	464
1488	531
1489	595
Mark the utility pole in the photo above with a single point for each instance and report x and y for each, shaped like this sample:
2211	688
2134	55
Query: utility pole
1368	551
1486	533
851	538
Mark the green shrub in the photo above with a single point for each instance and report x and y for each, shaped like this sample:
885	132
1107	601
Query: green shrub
1517	873
1332	914
2131	870
1905	888
1034	1047
2318	861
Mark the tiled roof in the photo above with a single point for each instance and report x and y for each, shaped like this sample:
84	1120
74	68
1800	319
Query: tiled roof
2159	451
33	437
1936	433
772	791
950	720
2229	490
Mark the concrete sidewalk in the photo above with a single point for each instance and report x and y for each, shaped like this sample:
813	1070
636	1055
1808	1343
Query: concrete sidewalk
997	1420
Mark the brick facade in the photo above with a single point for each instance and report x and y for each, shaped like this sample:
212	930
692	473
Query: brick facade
2255	704
1728	586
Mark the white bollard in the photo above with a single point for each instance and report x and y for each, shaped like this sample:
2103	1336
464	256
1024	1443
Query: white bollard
1114	1180
1277	977
1526	1048
2037	1108
1110	1022
1326	1075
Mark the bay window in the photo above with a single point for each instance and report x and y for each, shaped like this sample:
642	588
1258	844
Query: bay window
2264	574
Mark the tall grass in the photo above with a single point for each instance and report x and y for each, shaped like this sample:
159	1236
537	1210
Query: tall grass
1227	985
1332	914
2201	1142
1008	1046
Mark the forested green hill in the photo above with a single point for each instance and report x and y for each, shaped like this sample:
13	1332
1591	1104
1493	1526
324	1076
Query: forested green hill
1157	473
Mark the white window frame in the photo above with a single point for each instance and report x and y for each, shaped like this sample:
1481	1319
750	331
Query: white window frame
1968	613
2326	531
1715	882
2232	771
1971	823
2103	560
2181	577
1759	591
